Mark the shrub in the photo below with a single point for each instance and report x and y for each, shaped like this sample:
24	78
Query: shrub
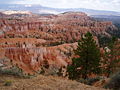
8	83
15	71
12	71
114	82
90	81
81	80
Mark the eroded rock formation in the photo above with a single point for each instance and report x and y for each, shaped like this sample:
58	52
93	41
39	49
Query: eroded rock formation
29	41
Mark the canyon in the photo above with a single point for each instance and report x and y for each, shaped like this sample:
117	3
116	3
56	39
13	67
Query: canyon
27	40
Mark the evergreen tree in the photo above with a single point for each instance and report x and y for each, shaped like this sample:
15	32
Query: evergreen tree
87	60
112	57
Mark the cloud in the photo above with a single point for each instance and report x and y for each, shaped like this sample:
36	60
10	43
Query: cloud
91	4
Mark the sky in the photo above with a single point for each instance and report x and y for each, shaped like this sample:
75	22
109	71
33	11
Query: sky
111	5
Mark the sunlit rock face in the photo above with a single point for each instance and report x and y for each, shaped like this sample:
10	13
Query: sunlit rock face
29	41
30	59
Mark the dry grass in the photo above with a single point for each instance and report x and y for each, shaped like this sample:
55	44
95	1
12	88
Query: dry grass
43	83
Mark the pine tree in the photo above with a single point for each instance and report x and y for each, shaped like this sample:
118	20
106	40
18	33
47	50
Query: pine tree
88	58
112	57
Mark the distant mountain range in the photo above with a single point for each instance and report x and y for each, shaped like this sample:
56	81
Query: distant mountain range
115	19
47	10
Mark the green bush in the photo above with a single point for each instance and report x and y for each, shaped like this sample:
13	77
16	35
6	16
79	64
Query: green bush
15	71
12	71
90	81
8	83
114	82
81	80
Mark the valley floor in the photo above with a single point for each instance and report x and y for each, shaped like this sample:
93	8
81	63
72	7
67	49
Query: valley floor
43	83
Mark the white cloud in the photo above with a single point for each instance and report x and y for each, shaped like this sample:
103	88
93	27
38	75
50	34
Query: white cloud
91	4
28	5
48	11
